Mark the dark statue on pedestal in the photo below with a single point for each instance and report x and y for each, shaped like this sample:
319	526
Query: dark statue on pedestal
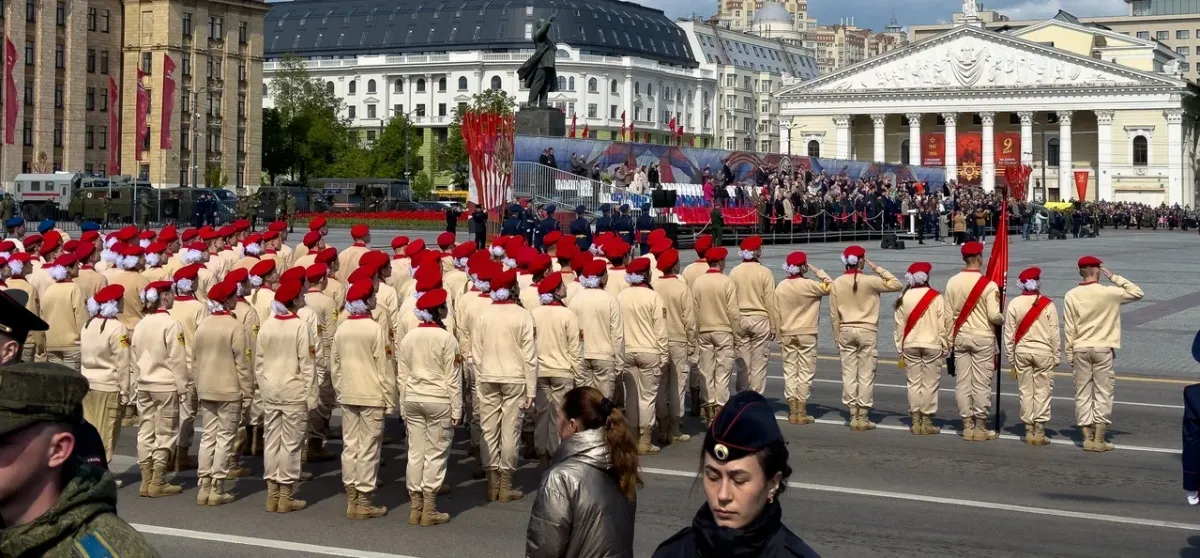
537	73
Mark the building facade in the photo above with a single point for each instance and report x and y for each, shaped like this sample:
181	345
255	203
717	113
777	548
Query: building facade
973	100
747	16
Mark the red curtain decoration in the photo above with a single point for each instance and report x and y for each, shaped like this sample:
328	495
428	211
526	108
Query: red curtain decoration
167	106
114	128
489	139
143	111
11	105
1017	177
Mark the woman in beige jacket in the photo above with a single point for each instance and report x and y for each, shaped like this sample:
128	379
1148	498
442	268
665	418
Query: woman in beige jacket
157	348
431	396
923	325
104	345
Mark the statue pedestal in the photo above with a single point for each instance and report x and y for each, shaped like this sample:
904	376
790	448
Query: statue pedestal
541	121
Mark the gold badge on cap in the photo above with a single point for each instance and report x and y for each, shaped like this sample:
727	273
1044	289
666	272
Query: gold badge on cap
721	452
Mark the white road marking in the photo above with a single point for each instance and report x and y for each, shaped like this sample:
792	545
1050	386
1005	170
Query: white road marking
1006	394
965	503
265	543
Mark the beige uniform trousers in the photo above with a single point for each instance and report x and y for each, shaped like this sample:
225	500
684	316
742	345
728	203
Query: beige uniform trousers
362	434
716	363
318	419
859	360
1094	384
102	409
671	393
600	374
1035	383
500	417
159	426
216	440
283	433
70	359
550	395
430	431
799	365
695	380
923	367
187	419
471	402
752	353
29	352
973	383
645	373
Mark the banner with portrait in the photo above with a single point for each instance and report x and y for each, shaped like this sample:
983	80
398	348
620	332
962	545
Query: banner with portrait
970	157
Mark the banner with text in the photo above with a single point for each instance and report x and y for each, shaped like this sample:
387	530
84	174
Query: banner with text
933	150
1081	182
1008	150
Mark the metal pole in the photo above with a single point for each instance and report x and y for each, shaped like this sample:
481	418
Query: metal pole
1045	187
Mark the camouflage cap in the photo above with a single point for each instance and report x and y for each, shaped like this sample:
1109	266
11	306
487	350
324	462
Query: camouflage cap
39	392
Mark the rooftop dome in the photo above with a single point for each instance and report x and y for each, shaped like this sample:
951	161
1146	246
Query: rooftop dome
772	12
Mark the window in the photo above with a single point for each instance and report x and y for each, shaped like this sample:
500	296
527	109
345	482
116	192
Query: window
421	110
637	88
441	109
58	95
243	33
103	100
27	134
187	24
104	18
352	88
398	86
1052	152
214	28
613	88
1141	151
58	134
370	135
31	10
350	111
591	110
1182	51
28	53
91	19
329	87
147	62
91	60
60	55
441	85
241	72
612	111
904	152
1162	35
1181	34
90	99
241	143
102	141
60	14
421	85
462	84
814	148
528	31
242	106
397	110
88	133
370	87
104	62
496	83
592	85
370	111
29	93
562	83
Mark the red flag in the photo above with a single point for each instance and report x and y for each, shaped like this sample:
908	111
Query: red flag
585	130
168	103
114	128
11	105
573	115
143	110
632	132
672	125
997	266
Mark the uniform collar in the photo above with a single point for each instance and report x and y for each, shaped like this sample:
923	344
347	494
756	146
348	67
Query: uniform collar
555	303
83	267
184	298
67	280
161	311
672	276
286	316
853	271
221	313
1031	293
712	270
503	302
399	257
360	244
428	324
965	270
1090	283
358	317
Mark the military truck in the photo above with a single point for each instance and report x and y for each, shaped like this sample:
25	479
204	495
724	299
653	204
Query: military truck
44	196
123	202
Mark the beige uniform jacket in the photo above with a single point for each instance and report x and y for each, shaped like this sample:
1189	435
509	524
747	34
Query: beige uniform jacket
90	281
506	354
159	361
326	309
645	321
133	282
616	281
246	316
189	312
348	260
156	273
986	314
680	305
860	308
601	321
716	303
799	300
694	270
285	364
362	372
105	356
756	291
222	347
472	302
401	271
65	310
35	338
559	347
1092	314
427	371
1042	338
932	330
260	300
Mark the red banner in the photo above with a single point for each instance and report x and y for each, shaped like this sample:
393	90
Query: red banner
143	110
1008	149
167	106
11	105
114	128
970	158
933	150
1081	181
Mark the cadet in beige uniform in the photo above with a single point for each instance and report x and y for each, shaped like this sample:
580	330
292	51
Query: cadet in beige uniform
507	381
161	368
18	266
271	243
922	336
326	312
334	288
222	382
799	300
1092	324
130	276
578	262
644	319
716	318
285	370
348	259
252	414
456	282
105	362
366	390
89	281
560	354
286	254
854	308
1031	343
313	450
65	309
156	259
616	251
758	319
680	307
483	270
700	266
264	277
400	263
431	393
973	340
306	252
603	333
188	311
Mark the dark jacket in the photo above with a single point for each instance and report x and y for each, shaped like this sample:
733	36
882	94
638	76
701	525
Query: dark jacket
83	523
1191	437
579	511
765	537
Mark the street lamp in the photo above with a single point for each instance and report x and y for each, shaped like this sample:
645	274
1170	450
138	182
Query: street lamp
195	131
791	125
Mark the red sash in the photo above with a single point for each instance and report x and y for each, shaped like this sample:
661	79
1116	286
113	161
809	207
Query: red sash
918	311
1027	322
969	305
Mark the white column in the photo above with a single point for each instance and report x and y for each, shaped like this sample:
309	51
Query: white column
1174	156
627	101
842	140
951	120
914	138
1066	163
880	121
785	136
697	126
1027	147
1104	190
988	119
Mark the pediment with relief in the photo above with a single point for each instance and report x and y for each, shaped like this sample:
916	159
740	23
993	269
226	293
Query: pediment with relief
972	60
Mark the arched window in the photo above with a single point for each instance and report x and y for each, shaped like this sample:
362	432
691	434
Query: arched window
562	83
814	148
496	84
441	85
398	86
329	87
371	86
904	153
592	85
462	84
1052	152
613	88
1141	151
421	85
649	88
637	88
570	84
352	88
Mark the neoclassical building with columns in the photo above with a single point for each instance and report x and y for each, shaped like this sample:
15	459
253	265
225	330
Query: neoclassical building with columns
1063	97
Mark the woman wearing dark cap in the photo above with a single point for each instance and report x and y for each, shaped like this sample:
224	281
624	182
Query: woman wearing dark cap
585	507
745	469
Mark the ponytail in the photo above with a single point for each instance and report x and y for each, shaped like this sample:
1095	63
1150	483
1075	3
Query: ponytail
591	410
900	299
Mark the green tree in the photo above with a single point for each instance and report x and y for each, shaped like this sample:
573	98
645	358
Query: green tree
452	155
213	177
422	185
314	134
399	144
278	154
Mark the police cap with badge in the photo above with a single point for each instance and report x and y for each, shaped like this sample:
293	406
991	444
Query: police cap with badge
16	321
745	426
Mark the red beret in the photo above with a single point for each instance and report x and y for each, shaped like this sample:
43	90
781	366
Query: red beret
703	243
399	242
668	258
127	233
311	238
656	235
32	240
359	231
714	255
659	246
222	291
797	259
146	235
270	235
241	225
413	247
595	268
464	250
566	250
85	251
487	270
133	251
7	246
316	224
189	272
189	234
524	256
504	280
227	231
445	240
375	260
551	238
638	266
427	279
156	248
540	264
252	238
855	250
316	272
288	291
159	286
238	275
361	274
326	256
263	268
70	245
109	293
89	236
751	243
920	267
209	235
277	226
50	243
972	248
197	246
296	274
20	257
359	291
579	261
550	284
169	234
431	299
1090	261
66	260
616	249
1030	274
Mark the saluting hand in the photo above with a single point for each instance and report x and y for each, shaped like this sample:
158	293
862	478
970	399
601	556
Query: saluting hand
1107	273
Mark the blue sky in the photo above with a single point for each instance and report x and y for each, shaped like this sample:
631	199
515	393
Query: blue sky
875	14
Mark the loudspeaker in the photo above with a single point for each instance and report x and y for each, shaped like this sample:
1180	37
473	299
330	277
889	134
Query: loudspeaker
899	245
672	231
889	242
661	199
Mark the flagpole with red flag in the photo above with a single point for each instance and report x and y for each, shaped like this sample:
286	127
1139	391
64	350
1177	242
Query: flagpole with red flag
997	265
573	115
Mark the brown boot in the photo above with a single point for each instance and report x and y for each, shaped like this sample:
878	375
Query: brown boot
694	394
864	419
416	504
802	416
351	500
917	424
1099	442
927	426
237	471
1089	437
1039	434
205	484
1030	434
366	509
493	485
968	431
429	514
792	411
287	503
674	428
158	486
217	495
272	496
507	494
147	479
645	447
855	423
982	434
